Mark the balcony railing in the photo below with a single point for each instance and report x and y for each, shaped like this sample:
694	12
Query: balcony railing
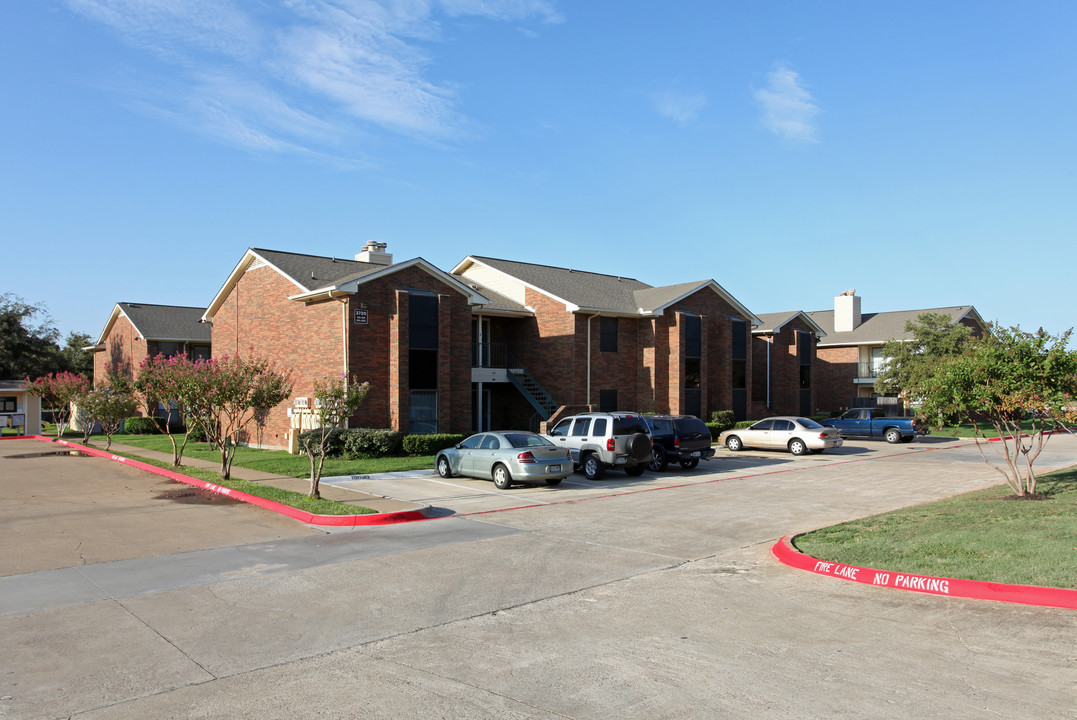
490	355
868	370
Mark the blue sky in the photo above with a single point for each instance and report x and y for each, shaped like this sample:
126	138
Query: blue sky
920	152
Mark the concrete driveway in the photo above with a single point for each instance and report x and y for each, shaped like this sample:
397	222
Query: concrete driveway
631	600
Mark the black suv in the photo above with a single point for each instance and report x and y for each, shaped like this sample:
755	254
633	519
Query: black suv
681	439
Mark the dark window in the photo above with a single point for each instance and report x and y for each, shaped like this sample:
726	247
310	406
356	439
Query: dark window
804	347
562	428
200	352
491	442
600	427
423	321
691	372
8	404
629	425
740	374
783	425
693	336
581	427
472	442
763	425
608	333
740	341
805	376
168	349
607	400
423	412
423	369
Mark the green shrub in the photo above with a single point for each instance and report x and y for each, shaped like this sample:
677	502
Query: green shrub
139	426
716	429
334	447
364	443
195	433
745	423
430	444
723	419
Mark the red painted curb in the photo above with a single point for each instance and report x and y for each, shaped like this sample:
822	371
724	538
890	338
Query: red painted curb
389	518
786	554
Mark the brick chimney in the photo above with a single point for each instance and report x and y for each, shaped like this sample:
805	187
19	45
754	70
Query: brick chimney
846	311
374	252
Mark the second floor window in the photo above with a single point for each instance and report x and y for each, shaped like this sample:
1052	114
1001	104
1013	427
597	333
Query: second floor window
608	342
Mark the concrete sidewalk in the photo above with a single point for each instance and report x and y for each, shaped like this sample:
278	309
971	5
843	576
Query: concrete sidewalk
356	498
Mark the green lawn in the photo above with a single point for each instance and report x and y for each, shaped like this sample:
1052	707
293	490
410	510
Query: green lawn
965	430
987	535
277	462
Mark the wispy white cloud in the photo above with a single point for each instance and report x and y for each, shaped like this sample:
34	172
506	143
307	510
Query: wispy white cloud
299	74
788	109
681	107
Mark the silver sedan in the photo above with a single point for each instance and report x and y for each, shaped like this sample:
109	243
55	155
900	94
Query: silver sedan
506	456
799	435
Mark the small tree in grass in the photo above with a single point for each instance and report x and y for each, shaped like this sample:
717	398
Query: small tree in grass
224	395
109	405
1003	380
160	381
334	402
58	391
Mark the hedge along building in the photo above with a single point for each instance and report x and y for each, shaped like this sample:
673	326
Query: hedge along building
556	340
403	327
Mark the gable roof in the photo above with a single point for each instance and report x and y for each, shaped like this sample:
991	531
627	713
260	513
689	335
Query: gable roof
317	277
772	323
877	328
169	323
583	291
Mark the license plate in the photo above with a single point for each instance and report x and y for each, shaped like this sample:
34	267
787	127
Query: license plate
553	468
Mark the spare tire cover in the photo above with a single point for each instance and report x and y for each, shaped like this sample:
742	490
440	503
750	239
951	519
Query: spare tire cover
638	446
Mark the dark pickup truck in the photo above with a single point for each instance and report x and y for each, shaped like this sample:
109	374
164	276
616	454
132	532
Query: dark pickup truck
869	422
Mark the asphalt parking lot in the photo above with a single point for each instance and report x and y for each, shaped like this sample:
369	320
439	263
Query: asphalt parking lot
631	597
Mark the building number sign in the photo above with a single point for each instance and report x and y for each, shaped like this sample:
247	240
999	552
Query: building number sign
361	317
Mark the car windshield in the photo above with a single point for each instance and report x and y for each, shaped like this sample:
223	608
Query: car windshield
629	425
522	440
808	423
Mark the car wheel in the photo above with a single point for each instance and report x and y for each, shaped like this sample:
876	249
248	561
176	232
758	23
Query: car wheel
797	446
553	481
444	469
733	443
502	479
658	459
635	470
592	468
638	446
893	436
690	463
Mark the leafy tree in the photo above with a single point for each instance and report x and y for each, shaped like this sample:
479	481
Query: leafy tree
74	358
161	381
334	402
911	364
223	396
57	392
1001	380
27	339
109	405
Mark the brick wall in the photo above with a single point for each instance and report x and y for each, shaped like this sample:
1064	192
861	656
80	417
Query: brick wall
122	351
257	320
835	376
784	366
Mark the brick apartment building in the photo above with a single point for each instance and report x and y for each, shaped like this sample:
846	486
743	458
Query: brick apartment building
851	353
784	366
556	340
135	331
403	327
